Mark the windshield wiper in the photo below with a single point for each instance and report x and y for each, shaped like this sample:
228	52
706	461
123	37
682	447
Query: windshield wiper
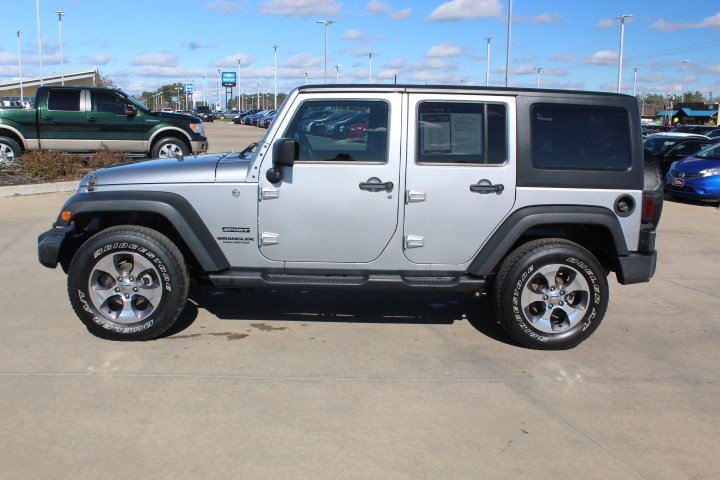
249	148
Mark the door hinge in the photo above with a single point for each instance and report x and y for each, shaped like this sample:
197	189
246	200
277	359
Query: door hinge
414	241
269	193
267	238
414	196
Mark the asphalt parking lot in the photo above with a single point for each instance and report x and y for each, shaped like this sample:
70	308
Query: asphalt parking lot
224	136
327	385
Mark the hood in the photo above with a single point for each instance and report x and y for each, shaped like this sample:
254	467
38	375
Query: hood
174	116
696	165
200	169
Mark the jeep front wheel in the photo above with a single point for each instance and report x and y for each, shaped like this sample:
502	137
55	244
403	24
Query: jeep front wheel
550	294
128	283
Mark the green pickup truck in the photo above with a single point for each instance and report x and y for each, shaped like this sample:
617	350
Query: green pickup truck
84	119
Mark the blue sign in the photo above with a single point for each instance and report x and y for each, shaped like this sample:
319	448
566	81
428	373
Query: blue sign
228	79
189	87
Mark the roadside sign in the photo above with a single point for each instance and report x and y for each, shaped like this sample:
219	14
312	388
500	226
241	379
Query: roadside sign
174	99
228	79
189	87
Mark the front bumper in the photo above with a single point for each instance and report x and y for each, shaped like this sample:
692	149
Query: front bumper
198	146
50	244
701	188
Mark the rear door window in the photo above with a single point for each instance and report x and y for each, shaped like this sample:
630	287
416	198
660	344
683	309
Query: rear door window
64	100
576	137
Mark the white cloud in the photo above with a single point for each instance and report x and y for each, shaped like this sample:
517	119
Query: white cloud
541	18
605	23
439	64
603	57
354	34
466	9
300	8
444	49
232	60
709	22
401	14
301	60
101	59
382	7
194	45
172	72
713	69
223	6
563	57
155	59
396	63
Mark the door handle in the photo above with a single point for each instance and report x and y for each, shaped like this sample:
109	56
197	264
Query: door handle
375	184
47	119
485	186
91	119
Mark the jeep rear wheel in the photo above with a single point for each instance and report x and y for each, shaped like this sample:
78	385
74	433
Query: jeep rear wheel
550	294
128	283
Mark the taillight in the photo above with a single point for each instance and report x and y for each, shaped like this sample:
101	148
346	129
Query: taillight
648	208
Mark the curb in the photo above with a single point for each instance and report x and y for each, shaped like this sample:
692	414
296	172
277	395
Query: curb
39	188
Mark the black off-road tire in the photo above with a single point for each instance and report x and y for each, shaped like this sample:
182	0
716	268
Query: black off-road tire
147	246
521	266
168	147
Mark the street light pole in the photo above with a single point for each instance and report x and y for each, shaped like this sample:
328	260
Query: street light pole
275	47
682	93
337	73
37	14
487	63
635	69
60	14
306	77
258	95
370	55
204	98
622	48
22	98
327	23
509	41
242	98
217	92
538	70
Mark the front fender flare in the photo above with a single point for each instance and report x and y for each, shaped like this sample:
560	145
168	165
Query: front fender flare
523	219
174	208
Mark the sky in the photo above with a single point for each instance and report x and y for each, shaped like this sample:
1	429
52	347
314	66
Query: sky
143	44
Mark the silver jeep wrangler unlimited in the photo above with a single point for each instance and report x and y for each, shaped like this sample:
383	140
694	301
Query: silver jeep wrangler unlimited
533	196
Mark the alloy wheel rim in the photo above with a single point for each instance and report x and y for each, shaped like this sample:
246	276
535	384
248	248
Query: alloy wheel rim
6	154
125	287
555	298
170	150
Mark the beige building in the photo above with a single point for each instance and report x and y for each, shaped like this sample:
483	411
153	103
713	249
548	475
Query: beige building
30	85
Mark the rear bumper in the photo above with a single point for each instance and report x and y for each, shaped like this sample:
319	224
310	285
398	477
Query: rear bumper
50	244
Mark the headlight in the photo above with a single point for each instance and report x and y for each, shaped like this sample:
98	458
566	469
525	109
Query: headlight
709	172
198	128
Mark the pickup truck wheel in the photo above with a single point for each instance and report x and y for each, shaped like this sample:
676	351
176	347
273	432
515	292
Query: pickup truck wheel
550	294
170	148
9	151
128	283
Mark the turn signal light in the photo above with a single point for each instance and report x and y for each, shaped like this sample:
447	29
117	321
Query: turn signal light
648	208
65	215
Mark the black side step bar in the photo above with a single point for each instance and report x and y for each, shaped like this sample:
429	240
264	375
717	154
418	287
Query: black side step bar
240	279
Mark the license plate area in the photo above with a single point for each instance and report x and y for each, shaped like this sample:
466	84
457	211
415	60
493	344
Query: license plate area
678	182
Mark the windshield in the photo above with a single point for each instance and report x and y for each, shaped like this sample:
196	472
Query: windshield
712	153
658	146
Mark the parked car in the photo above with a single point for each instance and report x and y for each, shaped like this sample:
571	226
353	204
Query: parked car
338	129
317	125
649	129
240	117
413	208
670	147
253	119
204	113
167	110
696	177
266	120
84	119
227	114
714	134
699	129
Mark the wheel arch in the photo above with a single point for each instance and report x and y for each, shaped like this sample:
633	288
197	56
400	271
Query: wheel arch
597	229
168	213
169	132
13	133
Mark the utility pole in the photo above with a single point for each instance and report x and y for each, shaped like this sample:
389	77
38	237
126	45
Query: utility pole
509	41
258	95
622	48
538	70
204	98
306	77
60	14
22	98
487	62
238	78
327	23
337	73
684	68
370	55
37	14
275	47
242	98
217	92
635	69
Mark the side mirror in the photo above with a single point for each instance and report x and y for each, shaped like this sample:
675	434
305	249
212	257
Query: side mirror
285	152
130	111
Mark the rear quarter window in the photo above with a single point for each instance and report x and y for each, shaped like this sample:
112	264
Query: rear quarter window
574	137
